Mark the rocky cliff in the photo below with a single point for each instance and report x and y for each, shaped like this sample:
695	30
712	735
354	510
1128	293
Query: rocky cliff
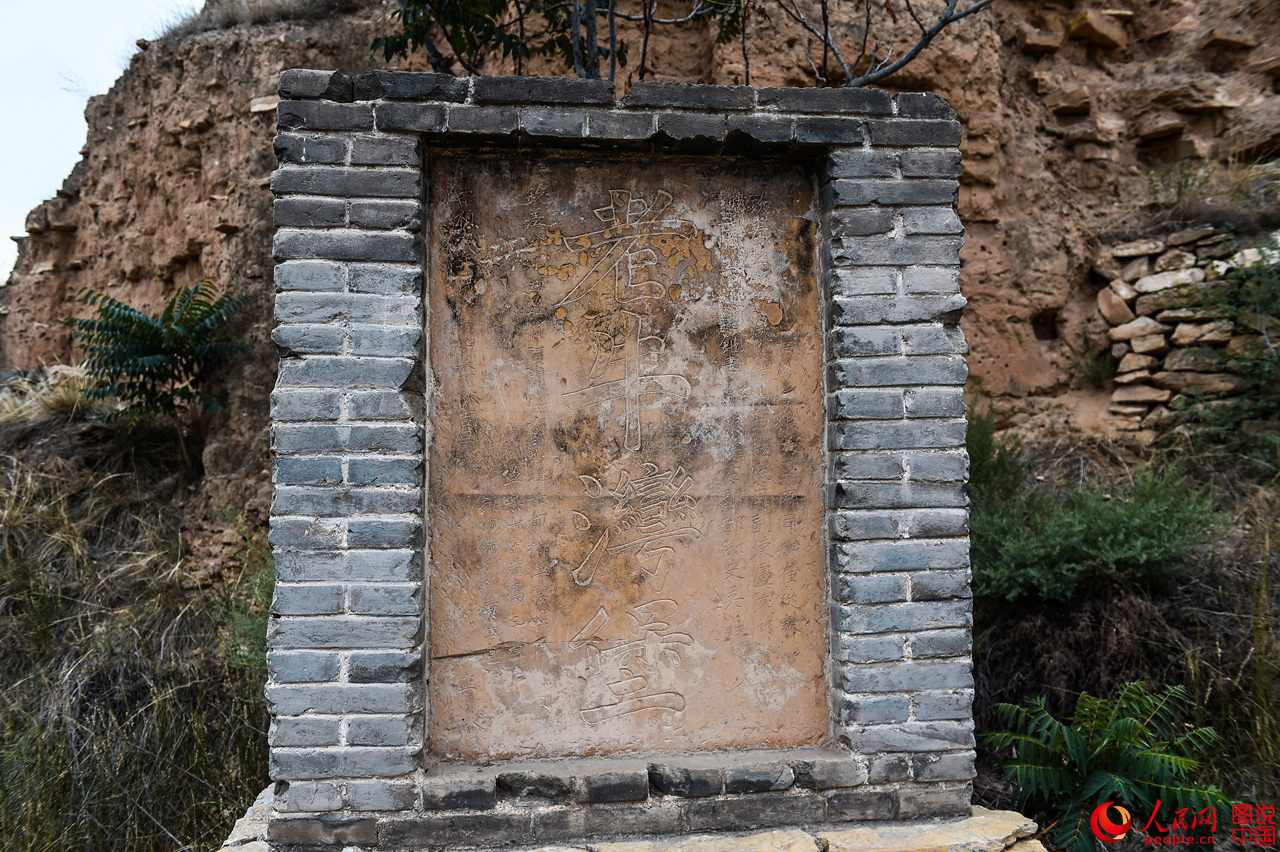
1073	114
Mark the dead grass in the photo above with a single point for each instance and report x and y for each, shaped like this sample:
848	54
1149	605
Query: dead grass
225	14
59	392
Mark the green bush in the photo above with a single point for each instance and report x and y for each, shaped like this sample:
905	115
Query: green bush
1033	542
155	365
1133	750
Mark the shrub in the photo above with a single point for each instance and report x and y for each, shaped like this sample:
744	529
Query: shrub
1132	749
1033	542
156	365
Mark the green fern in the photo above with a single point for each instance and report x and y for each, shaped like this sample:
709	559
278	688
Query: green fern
1133	749
156	365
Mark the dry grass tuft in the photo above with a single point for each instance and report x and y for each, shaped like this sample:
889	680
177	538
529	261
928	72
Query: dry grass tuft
225	14
59	392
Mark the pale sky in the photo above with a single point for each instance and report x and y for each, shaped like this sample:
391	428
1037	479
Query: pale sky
57	54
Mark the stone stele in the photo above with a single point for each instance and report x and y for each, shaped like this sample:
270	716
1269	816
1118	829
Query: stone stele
626	507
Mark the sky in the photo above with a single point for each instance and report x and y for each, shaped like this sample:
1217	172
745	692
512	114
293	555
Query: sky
57	54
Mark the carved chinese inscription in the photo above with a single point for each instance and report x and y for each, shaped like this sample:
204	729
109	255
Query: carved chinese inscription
626	459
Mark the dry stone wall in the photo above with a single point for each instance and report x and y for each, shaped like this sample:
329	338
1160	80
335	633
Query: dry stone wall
1171	340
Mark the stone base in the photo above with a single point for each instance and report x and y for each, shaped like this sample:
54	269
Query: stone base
983	831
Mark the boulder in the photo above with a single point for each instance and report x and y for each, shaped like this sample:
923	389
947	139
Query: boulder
1113	308
1138	248
1167	280
1141	327
1149	344
1096	28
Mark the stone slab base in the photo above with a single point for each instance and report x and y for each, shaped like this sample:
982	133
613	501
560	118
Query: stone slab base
983	831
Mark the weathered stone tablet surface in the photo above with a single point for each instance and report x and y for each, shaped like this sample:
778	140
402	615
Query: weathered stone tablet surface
625	499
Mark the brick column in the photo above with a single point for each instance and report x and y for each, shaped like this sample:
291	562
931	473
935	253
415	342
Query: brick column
346	628
898	522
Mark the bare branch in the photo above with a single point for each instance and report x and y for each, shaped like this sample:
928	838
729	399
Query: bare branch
746	59
881	68
793	12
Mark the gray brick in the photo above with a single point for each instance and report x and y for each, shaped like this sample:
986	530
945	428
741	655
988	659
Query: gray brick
910	676
290	404
944	766
349	307
833	99
758	778
931	220
293	599
302	666
304	83
940	585
620	125
863	341
902	617
489	121
941	643
383	666
866	404
419	118
937	467
861	163
541	90
553	122
935	402
943	280
888	768
311	275
917	554
304	731
622	785
340	371
692	127
900	523
385	151
934	800
955	704
867	465
847	192
307	471
870	649
342	502
386	214
309	212
340	631
923	105
849	805
385	280
911	737
339	698
353	565
829	130
373	471
899	133
899	370
288	438
362	762
829	772
409	86
380	340
311	150
892	434
873	709
933	339
760	810
762	128
294	340
322	115
895	495
309	533
379	730
381	795
864	282
470	791
392	246
685	96
347	182
863	589
386	599
302	796
905	309
385	438
879	251
862	221
941	164
383	532
379	405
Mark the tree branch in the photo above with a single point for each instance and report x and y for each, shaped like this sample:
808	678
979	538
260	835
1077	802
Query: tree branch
793	12
882	68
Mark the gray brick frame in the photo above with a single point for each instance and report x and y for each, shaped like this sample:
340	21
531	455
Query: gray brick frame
348	638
